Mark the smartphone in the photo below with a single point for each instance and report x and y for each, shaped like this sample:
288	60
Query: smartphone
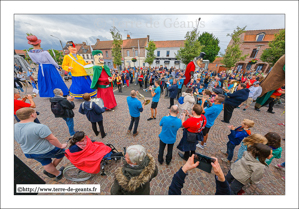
204	162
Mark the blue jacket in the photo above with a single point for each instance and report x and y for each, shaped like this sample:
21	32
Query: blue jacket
93	114
236	98
236	136
178	180
173	91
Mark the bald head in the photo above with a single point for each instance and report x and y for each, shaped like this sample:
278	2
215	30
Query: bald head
133	93
174	110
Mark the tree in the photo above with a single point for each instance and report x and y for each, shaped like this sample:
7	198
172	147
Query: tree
210	45
233	53
27	58
58	56
150	55
116	46
276	50
191	49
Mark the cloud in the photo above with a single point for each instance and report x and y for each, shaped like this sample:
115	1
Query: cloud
79	28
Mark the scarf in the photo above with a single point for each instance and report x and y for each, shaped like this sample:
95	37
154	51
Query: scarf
82	144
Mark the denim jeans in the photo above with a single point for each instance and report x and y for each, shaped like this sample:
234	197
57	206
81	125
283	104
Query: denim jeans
20	88
230	150
70	124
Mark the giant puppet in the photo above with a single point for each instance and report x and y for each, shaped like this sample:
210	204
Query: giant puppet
48	75
274	80
102	80
191	67
80	80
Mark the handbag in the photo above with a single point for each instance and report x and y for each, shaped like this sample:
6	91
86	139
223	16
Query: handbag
192	137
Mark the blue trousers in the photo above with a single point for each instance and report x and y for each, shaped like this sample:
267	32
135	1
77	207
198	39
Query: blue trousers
230	150
70	124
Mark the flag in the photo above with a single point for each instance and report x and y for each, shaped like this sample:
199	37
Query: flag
53	53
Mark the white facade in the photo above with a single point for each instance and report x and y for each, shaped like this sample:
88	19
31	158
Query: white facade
168	55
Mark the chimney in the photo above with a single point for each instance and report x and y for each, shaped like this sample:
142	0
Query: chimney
128	36
84	43
148	38
98	39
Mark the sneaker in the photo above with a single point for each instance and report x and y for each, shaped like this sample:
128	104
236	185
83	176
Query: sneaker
59	177
225	160
270	112
104	136
150	119
238	107
200	146
244	109
278	166
129	131
257	109
223	151
49	174
224	121
205	144
155	118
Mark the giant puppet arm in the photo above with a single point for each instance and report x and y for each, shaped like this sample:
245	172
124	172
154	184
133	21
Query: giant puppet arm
190	68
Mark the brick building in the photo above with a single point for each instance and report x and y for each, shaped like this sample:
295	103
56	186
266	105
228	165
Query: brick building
85	52
254	43
129	50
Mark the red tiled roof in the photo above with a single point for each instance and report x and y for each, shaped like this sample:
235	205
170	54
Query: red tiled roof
18	51
85	47
267	31
218	60
128	43
168	44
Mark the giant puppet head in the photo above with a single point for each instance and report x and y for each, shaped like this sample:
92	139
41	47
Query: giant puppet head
98	57
198	61
71	47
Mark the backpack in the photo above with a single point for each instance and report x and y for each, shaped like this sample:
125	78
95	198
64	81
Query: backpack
57	109
181	100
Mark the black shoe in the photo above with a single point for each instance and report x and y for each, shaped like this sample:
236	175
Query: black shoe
59	177
224	121
167	163
97	133
168	107
257	109
150	119
270	112
155	118
49	174
104	136
160	162
182	156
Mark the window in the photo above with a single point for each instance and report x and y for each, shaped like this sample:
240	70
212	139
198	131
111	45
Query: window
248	66
167	53
260	37
254	53
106	53
104	63
136	53
109	63
260	67
158	53
128	53
239	67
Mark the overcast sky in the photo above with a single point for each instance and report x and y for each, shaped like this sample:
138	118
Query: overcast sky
79	28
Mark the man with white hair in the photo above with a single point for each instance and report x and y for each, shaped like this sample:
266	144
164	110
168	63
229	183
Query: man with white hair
135	176
63	108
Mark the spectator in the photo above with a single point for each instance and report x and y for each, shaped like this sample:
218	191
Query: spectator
250	82
155	101
274	141
189	101
180	85
235	138
127	78
63	108
135	176
178	180
93	113
168	83
250	168
173	91
140	79
37	142
211	114
17	84
119	83
234	100
255	92
135	107
170	125
192	132
18	104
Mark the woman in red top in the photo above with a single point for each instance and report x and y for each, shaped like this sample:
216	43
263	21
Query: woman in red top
140	79
194	124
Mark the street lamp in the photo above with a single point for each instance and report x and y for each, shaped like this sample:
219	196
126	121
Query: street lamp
60	43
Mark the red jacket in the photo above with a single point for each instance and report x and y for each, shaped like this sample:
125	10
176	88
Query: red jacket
190	68
89	159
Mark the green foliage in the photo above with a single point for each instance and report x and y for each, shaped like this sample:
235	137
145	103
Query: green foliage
191	49
276	50
150	55
29	34
58	56
233	53
210	45
116	46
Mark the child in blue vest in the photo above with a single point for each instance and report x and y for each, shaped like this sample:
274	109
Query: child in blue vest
235	138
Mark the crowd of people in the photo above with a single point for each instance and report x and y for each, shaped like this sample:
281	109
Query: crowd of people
197	108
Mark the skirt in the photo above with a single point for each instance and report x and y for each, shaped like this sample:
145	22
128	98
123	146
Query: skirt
107	95
48	80
81	85
186	146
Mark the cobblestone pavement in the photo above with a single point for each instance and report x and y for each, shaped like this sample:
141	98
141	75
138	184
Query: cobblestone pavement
197	182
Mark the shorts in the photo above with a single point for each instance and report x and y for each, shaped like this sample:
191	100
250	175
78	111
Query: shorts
46	159
154	105
205	131
249	101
